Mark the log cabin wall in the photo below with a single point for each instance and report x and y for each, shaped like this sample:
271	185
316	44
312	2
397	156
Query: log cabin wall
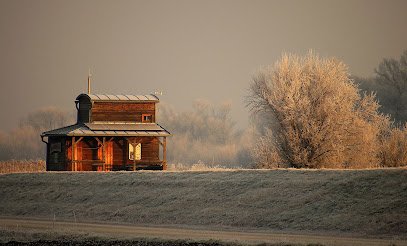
87	149
69	165
90	152
121	111
120	153
116	156
149	150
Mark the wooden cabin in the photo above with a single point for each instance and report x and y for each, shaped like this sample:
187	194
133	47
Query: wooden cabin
113	132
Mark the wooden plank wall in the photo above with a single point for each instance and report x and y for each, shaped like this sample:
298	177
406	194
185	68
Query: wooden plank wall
119	153
118	111
78	156
108	157
117	156
149	150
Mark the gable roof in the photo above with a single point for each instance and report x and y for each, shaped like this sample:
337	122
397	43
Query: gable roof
120	97
110	129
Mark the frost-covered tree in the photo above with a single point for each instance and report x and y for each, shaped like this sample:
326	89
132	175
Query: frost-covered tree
319	119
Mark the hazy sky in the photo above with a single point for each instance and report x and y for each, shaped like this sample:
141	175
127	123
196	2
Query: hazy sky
186	49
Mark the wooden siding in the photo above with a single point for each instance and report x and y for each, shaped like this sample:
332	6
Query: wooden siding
89	154
116	156
121	112
108	157
69	166
120	153
149	150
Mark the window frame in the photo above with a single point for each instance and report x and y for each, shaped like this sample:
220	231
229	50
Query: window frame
147	118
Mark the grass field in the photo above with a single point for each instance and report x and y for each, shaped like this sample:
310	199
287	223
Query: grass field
369	203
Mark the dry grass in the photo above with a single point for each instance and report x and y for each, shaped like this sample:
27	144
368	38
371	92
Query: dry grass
357	202
24	166
200	166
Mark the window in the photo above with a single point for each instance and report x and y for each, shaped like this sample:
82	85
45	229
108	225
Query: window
147	118
135	151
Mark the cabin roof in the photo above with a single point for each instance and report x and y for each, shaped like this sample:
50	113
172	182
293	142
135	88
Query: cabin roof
120	97
110	129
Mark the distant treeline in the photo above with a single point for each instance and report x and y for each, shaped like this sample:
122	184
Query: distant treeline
390	87
310	114
206	134
24	142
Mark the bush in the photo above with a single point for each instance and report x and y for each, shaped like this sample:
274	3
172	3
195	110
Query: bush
319	118
393	148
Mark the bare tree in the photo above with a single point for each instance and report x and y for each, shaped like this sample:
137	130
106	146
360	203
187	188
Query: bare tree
320	118
385	95
393	75
46	119
5	142
205	133
24	142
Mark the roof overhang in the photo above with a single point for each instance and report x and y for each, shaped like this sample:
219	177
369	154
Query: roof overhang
110	129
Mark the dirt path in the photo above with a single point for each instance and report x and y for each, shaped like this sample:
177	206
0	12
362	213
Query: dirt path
196	234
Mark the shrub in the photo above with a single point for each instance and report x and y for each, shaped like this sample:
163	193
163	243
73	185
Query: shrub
393	148
319	118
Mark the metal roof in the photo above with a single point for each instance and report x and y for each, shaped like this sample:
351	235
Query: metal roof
110	129
121	97
124	127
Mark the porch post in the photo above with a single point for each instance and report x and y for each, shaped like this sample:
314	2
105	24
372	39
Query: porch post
165	150
134	143
104	153
73	154
134	153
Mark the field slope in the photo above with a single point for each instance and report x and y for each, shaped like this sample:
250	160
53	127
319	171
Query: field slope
335	202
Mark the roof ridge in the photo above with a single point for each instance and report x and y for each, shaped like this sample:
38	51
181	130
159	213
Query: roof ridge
120	97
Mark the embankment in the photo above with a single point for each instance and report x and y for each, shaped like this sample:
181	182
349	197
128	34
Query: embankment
358	202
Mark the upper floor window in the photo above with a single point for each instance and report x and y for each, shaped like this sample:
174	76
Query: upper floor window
147	118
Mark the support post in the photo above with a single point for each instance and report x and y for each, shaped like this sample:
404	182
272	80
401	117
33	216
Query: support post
134	143
104	153
165	151
73	154
134	156
74	164
164	145
103	144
